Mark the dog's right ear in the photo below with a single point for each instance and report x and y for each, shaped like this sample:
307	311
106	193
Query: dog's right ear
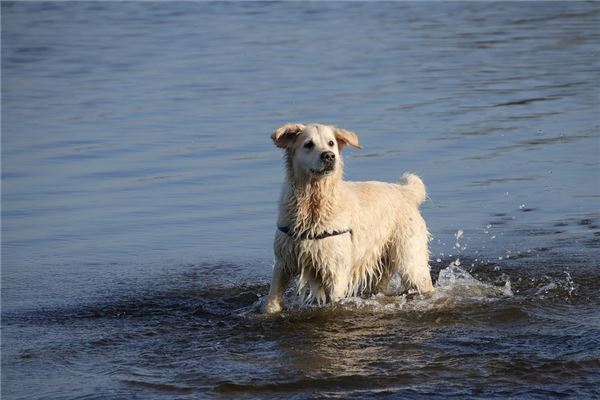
284	135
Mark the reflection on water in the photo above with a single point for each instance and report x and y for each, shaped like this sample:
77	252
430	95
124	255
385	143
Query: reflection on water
139	190
507	327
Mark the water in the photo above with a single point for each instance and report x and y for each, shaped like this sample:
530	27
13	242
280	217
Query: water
139	189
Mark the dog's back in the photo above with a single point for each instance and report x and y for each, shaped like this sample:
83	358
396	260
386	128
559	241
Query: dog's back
390	235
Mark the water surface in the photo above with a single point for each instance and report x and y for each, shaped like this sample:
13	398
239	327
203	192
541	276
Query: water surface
139	189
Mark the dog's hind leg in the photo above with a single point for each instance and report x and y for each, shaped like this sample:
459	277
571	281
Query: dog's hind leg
387	269
384	281
410	257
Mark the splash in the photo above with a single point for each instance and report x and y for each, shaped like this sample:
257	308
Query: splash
454	279
455	288
548	287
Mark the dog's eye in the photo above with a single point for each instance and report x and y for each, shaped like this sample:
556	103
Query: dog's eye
309	144
331	143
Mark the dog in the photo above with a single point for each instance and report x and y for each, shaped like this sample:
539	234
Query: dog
342	238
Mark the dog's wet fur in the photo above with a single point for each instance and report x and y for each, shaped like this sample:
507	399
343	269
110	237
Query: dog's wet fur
384	233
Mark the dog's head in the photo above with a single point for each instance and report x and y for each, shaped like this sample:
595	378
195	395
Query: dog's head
313	151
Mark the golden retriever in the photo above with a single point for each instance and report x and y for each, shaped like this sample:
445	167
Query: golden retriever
339	238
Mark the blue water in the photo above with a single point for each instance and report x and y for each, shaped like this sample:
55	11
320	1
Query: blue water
139	189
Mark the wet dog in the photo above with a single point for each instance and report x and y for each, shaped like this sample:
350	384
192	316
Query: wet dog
341	238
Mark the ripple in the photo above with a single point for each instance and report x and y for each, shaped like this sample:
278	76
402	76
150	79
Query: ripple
161	387
524	101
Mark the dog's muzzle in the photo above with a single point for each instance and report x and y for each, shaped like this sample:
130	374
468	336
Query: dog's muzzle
328	160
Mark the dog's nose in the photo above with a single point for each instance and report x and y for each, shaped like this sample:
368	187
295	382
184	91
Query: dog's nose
328	156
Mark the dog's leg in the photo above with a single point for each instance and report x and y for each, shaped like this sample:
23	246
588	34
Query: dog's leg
279	282
342	265
410	257
339	290
384	281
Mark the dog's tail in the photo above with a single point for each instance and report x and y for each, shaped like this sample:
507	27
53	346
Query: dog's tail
416	186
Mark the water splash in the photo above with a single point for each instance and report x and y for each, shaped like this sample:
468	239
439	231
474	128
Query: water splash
549	287
455	288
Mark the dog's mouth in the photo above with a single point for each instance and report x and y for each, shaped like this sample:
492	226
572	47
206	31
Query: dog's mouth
326	170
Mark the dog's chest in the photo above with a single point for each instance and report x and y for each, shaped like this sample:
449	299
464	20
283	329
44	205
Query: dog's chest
328	254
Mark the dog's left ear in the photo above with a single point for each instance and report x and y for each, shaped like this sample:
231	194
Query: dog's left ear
346	138
284	135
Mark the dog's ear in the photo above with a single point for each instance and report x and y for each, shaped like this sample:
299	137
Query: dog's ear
346	138
284	135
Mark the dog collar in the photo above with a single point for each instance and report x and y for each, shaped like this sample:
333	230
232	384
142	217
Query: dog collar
320	236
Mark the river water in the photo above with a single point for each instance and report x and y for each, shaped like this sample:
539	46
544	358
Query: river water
139	189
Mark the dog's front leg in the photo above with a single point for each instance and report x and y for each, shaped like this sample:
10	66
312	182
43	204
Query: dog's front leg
339	290
279	282
341	284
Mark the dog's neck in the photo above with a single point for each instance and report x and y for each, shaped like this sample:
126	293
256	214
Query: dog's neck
310	200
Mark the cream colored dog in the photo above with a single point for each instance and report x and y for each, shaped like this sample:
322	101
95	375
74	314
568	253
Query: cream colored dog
341	238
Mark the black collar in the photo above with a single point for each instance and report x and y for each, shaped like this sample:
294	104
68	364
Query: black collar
323	235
